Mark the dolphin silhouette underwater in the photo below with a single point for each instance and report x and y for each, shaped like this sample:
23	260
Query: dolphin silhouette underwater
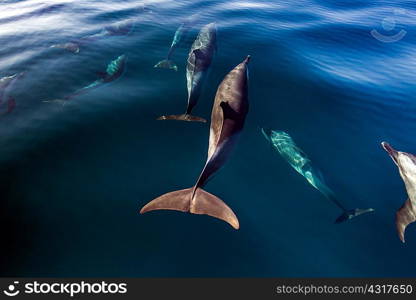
199	61
117	29
6	86
178	38
284	144
114	71
227	121
406	162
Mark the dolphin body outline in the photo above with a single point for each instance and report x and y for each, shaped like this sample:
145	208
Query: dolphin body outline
283	143
199	61
406	162
227	120
114	71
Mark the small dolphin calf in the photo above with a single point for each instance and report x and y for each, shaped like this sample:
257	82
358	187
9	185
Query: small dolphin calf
199	61
406	163
179	36
287	148
227	120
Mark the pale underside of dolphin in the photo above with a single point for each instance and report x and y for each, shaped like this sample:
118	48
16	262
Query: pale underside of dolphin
406	162
283	143
227	120
199	61
114	71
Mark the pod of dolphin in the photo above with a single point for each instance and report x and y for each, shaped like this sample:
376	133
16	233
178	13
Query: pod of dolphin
229	111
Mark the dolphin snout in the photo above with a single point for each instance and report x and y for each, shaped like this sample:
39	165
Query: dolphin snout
391	151
387	147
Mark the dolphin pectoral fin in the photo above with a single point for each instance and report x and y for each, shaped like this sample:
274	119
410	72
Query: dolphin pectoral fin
349	214
404	216
183	117
229	113
203	203
199	54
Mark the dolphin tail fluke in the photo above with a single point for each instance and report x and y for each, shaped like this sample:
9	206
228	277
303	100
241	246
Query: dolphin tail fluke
349	214
404	216
200	203
167	64
183	117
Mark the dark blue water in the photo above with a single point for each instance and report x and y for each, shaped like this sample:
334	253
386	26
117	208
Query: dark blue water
73	177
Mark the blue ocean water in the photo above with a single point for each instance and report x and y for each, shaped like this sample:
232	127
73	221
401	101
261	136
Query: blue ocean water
338	76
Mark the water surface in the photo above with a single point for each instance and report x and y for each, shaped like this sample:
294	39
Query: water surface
74	177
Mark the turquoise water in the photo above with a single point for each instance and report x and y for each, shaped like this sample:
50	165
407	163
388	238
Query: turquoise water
73	177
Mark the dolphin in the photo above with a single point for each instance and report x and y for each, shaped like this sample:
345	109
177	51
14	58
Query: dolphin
406	163
179	36
284	144
227	121
70	46
114	70
6	85
11	104
117	29
199	61
121	28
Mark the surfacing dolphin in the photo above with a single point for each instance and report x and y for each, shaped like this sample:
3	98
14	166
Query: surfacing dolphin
406	163
114	70
179	36
199	61
284	144
227	120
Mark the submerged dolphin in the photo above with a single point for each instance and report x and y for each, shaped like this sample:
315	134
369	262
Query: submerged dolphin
199	61
117	29
227	120
287	148
70	46
179	36
7	83
6	86
406	163
114	70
